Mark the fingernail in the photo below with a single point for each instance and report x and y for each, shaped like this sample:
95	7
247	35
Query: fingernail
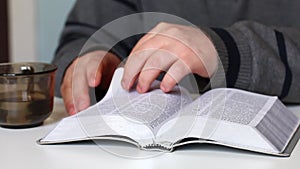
163	88
140	89
71	110
81	105
124	84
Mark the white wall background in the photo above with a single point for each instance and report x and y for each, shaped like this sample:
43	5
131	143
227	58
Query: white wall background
35	26
22	18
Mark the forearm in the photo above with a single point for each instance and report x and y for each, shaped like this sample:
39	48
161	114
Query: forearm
259	58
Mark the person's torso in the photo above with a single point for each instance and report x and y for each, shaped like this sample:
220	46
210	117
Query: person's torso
222	13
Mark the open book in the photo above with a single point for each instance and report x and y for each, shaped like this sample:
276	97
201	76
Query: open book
160	121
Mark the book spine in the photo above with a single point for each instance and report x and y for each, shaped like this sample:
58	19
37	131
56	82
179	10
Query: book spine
157	147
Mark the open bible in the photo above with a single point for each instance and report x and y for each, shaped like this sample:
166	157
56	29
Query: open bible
163	121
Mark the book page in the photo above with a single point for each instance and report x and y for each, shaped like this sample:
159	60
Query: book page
236	118
233	105
130	114
151	109
248	120
228	116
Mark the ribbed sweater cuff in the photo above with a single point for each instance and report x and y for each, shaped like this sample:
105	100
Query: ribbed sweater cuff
235	63
245	73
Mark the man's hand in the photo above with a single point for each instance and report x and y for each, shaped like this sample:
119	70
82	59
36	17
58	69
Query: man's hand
177	49
92	69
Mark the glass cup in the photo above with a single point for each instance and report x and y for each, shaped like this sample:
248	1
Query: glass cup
26	93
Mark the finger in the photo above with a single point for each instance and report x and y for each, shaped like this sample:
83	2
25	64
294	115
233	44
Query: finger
95	64
159	61
94	71
144	39
66	90
139	55
136	61
176	72
80	88
107	68
152	33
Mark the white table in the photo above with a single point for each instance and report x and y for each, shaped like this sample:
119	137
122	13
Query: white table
19	150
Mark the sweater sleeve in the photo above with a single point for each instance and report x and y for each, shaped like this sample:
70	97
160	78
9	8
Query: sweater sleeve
82	22
260	58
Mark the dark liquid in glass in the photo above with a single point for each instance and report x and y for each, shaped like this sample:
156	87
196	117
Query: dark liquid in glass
22	109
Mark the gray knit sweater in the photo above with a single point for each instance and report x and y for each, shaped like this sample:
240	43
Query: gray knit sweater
258	42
